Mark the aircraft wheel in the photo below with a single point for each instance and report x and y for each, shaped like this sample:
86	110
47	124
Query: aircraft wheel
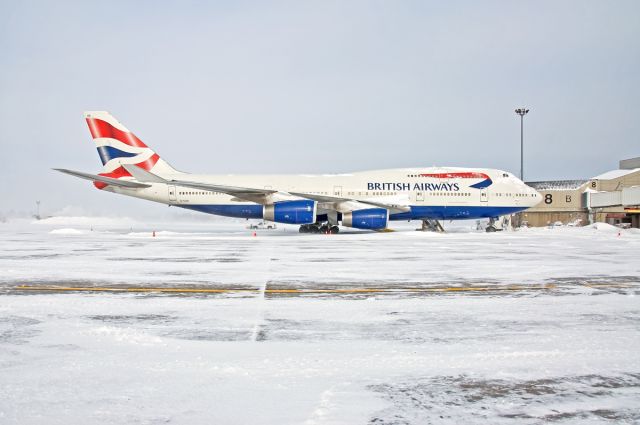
491	229
334	229
305	228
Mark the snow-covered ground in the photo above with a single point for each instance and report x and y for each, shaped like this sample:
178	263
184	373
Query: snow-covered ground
556	341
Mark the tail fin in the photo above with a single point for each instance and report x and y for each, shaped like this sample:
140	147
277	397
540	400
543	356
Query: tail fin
117	145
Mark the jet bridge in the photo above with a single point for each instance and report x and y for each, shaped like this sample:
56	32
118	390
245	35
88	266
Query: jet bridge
629	196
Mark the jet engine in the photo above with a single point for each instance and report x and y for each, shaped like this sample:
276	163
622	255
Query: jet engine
370	218
291	212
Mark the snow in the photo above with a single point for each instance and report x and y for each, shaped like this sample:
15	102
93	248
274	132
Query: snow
605	227
557	184
567	353
66	232
85	221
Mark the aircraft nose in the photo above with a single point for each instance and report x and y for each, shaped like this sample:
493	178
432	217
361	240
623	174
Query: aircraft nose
534	196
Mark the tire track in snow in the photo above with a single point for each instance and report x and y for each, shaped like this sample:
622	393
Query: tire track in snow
257	334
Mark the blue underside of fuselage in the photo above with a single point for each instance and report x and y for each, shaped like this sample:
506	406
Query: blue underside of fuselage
416	213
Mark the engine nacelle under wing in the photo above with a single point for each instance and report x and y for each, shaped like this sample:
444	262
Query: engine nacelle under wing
291	212
370	218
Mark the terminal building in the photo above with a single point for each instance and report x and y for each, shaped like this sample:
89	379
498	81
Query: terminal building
612	197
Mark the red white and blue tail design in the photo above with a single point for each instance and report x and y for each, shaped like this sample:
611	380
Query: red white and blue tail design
117	145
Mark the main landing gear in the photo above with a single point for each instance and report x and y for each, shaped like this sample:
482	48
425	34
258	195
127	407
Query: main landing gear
324	228
431	226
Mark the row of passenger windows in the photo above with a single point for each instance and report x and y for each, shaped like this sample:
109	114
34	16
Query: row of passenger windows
448	193
360	193
507	194
371	193
200	193
395	193
517	195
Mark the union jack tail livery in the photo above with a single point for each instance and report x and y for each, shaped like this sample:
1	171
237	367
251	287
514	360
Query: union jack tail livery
117	146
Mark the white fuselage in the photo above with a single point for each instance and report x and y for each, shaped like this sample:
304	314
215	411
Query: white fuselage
430	192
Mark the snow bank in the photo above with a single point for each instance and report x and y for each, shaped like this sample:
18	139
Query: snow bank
158	233
604	227
66	232
608	228
87	221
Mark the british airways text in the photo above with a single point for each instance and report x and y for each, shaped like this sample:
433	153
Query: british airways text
449	187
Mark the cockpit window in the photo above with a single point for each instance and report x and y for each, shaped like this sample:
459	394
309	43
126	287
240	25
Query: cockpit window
505	174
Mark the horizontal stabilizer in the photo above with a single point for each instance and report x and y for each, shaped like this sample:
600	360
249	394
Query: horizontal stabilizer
102	179
143	175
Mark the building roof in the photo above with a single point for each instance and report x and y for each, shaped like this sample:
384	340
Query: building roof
557	184
614	174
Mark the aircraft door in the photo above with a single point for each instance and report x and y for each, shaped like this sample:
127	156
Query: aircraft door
419	197
337	190
172	193
484	197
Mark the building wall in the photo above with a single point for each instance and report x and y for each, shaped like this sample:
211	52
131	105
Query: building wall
541	219
612	215
629	164
561	201
564	205
568	205
618	216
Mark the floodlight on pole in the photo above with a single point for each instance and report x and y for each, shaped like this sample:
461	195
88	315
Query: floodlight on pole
522	112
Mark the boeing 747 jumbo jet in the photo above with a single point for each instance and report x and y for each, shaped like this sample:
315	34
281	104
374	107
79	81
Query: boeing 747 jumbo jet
318	203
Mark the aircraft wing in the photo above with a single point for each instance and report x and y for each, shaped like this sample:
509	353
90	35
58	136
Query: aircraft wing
229	190
341	204
103	179
242	193
260	196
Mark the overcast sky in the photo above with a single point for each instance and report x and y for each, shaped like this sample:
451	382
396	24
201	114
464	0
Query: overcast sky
315	86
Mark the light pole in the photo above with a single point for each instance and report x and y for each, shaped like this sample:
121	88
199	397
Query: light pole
522	112
38	210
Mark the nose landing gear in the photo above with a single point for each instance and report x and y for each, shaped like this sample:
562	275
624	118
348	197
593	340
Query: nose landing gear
498	224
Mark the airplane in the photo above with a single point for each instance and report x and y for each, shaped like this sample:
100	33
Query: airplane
318	203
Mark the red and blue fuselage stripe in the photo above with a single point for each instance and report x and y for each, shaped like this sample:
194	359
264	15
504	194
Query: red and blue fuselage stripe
486	182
